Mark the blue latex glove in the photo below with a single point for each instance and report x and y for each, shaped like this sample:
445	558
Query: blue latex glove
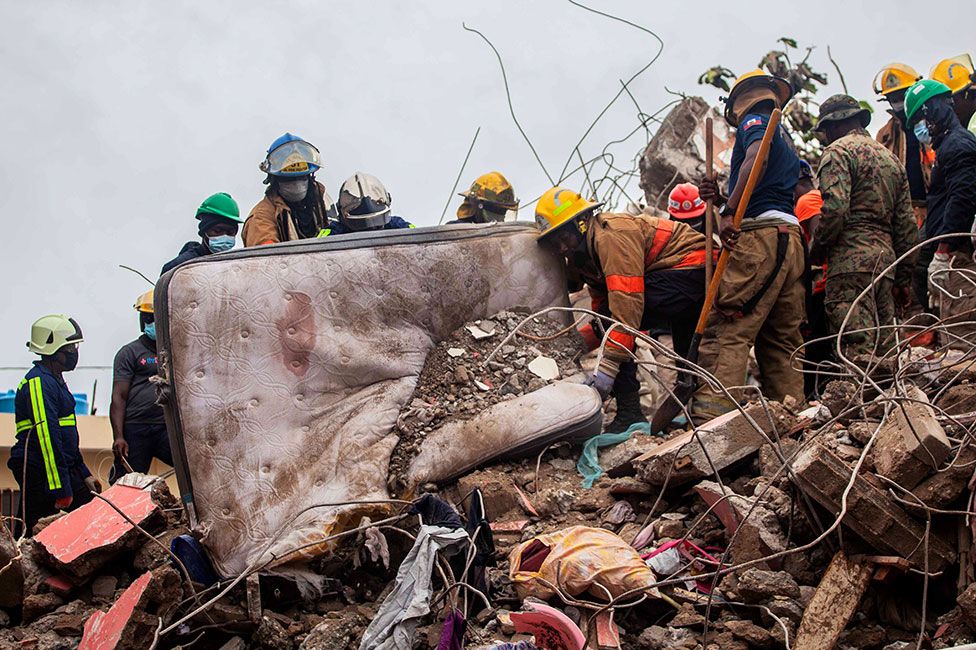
600	381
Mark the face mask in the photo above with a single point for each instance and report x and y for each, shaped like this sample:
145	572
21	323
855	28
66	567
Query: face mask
220	243
293	191
69	359
898	107
150	331
922	132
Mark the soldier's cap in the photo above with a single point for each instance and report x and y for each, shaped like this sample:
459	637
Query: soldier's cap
841	107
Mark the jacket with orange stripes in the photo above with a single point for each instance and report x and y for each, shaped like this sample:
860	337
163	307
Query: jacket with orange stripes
624	249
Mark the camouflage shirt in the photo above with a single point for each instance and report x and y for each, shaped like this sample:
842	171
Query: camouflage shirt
866	221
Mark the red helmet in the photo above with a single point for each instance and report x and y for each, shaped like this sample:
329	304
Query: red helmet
685	203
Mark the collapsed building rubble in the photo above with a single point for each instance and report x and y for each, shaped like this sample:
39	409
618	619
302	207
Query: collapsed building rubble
749	531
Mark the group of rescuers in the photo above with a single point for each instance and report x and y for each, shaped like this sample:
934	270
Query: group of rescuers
850	222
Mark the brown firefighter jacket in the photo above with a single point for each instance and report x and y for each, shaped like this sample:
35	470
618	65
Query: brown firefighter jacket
270	220
624	249
892	137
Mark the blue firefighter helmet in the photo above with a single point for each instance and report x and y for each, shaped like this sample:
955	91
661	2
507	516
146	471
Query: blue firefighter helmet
291	156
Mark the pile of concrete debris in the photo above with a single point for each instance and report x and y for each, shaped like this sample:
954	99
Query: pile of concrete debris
841	524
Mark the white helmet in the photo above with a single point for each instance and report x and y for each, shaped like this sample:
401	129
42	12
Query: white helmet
51	333
364	204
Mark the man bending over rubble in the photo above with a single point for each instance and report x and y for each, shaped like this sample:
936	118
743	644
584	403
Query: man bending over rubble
638	269
865	223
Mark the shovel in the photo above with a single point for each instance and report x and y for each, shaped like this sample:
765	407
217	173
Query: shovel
684	389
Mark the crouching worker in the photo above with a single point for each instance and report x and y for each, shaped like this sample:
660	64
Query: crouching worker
137	420
638	269
364	204
46	460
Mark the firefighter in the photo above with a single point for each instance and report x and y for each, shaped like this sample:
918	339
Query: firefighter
137	420
958	74
295	205
364	204
46	460
489	199
638	269
761	296
685	205
219	219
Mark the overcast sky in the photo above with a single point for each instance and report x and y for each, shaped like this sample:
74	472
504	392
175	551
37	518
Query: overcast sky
118	118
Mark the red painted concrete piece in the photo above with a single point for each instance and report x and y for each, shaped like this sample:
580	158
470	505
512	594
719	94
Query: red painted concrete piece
95	525
103	630
552	629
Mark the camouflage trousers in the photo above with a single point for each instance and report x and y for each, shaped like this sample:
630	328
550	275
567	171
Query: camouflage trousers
875	310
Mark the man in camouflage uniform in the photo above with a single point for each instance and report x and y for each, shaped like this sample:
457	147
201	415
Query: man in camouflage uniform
866	223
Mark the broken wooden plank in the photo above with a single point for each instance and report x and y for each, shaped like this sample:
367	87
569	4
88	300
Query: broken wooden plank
834	603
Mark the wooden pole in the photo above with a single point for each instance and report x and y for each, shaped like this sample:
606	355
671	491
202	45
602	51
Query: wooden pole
709	205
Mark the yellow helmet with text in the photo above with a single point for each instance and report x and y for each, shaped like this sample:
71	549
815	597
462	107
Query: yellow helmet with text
558	207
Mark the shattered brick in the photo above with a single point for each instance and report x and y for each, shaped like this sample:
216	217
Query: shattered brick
835	601
755	585
719	443
911	443
756	529
871	512
946	485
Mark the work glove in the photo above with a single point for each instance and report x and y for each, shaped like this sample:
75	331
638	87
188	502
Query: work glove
602	382
93	485
940	263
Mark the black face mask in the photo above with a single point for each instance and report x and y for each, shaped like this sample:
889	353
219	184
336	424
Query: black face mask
69	359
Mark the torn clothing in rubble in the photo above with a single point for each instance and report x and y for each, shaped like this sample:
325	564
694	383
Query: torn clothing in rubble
395	623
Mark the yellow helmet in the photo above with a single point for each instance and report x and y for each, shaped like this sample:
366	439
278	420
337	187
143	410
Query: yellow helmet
491	190
144	303
894	77
560	206
957	72
753	87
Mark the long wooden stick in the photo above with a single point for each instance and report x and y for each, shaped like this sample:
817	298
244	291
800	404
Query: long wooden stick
710	204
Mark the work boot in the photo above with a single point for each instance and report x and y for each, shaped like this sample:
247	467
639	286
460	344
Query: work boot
628	413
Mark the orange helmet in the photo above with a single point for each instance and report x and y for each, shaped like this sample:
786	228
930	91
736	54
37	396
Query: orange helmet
684	202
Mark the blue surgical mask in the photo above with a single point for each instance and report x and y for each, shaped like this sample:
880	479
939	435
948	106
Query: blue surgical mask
922	132
150	331
220	243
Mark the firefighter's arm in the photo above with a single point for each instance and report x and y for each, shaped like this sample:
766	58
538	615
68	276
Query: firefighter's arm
621	254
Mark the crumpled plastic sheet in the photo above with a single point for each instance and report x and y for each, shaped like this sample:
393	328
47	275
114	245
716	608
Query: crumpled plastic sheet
395	623
582	560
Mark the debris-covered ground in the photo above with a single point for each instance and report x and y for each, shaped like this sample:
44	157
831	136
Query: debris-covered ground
725	536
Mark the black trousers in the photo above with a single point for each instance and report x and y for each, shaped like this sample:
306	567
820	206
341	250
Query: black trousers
672	299
37	500
920	275
146	441
816	327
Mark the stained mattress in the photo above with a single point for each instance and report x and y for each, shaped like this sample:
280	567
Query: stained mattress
285	367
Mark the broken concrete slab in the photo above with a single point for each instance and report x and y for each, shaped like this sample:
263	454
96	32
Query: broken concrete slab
718	444
756	528
82	541
835	601
947	484
617	459
911	443
755	585
11	572
129	623
871	512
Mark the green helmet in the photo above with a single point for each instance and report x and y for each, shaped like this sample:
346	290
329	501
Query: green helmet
920	93
222	205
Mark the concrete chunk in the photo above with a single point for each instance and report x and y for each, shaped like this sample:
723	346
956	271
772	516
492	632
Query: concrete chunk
835	601
911	443
756	528
723	441
871	513
946	485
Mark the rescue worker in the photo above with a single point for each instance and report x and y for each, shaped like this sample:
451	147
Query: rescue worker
685	205
489	199
137	420
866	223
219	219
815	331
46	460
958	74
295	205
761	296
364	204
638	269
892	82
952	194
